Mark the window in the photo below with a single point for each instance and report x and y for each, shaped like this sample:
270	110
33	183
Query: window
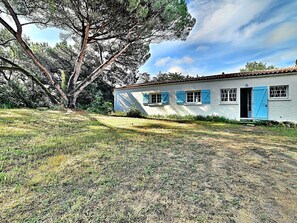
229	95
279	91
155	98
194	97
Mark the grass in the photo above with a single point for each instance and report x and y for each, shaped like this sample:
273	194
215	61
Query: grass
82	167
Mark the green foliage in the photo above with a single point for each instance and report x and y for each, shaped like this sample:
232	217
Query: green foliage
105	47
169	76
214	118
134	112
7	105
254	66
64	80
209	118
143	78
119	113
100	106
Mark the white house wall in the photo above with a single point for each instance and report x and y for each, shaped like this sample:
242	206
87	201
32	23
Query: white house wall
280	110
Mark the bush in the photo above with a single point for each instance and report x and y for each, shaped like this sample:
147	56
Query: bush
135	113
209	118
104	109
214	118
100	106
6	105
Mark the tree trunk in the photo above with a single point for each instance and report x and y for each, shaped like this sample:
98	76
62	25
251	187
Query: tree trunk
72	102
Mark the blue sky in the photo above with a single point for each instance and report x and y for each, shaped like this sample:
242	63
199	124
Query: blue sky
227	34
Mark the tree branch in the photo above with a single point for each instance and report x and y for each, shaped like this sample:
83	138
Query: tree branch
14	17
77	69
8	27
18	35
97	71
39	22
28	74
6	42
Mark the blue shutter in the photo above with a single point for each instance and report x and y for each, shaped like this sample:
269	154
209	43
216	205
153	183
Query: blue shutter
260	99
180	97
146	97
165	98
205	94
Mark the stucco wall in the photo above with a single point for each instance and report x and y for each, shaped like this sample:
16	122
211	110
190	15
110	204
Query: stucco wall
280	110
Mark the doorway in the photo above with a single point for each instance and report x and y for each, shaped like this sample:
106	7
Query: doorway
246	103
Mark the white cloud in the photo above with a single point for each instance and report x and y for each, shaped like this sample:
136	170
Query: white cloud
284	32
163	61
202	48
226	21
177	69
282	58
169	61
229	33
186	60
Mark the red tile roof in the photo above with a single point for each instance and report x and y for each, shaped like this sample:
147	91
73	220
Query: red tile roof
219	76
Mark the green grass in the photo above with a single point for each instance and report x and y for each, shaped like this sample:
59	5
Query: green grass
82	167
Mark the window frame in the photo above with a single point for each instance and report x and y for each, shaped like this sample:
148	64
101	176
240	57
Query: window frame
228	92
279	98
199	101
158	96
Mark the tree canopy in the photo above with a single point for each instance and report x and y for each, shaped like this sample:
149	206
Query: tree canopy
168	76
254	66
22	84
117	33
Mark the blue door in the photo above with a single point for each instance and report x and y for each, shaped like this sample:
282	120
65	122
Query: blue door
260	107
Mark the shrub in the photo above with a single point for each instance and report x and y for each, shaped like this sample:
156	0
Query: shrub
104	109
214	118
209	118
100	106
135	113
6	105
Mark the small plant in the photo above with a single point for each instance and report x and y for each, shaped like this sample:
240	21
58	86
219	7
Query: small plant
119	113
187	118
6	106
100	106
134	112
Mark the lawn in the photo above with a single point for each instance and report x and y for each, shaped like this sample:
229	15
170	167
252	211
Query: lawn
82	167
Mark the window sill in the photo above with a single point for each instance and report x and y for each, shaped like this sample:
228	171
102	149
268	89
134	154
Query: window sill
193	104
156	105
229	103
279	99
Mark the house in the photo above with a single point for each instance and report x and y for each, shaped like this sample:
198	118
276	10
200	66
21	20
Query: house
258	95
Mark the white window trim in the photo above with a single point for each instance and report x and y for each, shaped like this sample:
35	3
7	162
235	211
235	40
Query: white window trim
287	98
150	99
229	102
193	103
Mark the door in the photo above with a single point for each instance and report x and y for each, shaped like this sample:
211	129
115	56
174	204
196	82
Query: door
260	106
246	103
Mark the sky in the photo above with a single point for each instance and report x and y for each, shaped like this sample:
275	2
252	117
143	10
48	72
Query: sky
227	35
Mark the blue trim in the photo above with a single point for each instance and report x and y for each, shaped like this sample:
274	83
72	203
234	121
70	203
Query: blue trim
260	99
165	98
146	98
205	94
180	97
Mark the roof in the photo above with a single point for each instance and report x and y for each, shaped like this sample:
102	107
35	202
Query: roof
219	77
